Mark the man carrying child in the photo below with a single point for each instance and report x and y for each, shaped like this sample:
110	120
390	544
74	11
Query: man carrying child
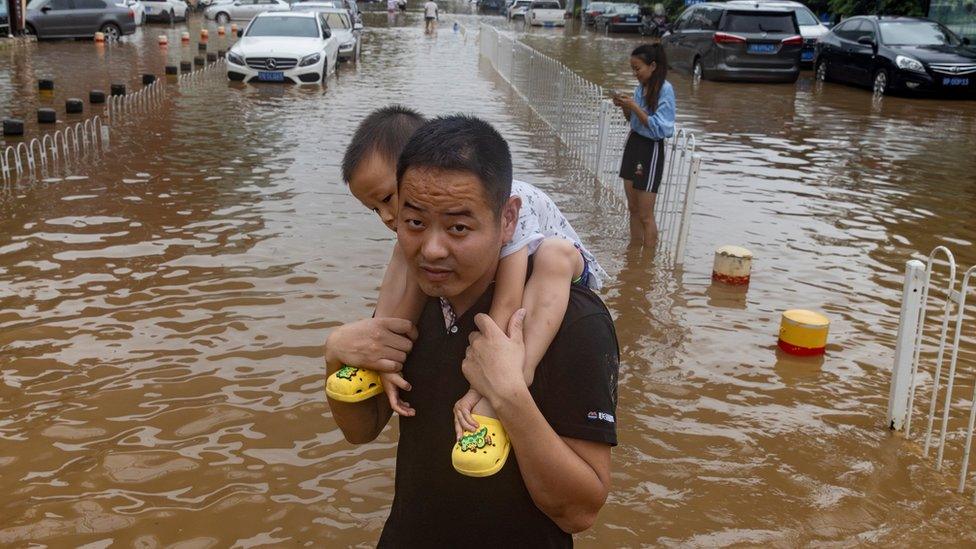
454	214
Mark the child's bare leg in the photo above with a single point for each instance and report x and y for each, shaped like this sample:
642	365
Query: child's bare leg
400	297
546	296
509	285
557	263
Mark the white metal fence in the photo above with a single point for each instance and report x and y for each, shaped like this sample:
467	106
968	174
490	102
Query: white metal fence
53	152
917	299
595	131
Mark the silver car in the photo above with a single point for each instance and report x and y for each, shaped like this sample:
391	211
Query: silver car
243	10
79	19
339	21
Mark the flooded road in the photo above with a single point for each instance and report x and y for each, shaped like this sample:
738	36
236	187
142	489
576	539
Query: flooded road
161	317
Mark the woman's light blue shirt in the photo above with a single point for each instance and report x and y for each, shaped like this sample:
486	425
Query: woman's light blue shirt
660	124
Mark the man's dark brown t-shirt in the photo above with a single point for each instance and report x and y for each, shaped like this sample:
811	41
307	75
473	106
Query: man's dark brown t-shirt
575	388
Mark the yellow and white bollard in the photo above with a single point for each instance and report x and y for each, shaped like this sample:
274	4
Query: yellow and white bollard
204	34
163	40
185	37
233	28
733	265
220	31
99	38
803	333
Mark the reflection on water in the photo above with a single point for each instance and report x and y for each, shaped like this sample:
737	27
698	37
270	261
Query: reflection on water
161	317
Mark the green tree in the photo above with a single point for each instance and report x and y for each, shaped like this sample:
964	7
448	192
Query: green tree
847	8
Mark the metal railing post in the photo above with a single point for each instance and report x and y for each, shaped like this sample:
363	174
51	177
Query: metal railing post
601	138
679	248
901	373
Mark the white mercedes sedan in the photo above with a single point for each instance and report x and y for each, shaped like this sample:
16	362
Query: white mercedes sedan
291	47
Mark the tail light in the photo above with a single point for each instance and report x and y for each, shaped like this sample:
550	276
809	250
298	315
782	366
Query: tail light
793	41
132	15
726	38
616	19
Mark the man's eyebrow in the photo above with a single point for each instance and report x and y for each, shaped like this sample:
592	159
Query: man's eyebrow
459	213
407	204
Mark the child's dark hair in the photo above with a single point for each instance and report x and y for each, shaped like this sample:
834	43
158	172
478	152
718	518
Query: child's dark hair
466	144
653	53
385	132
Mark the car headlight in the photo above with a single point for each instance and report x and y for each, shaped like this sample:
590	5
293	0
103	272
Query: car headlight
909	64
235	58
347	46
310	60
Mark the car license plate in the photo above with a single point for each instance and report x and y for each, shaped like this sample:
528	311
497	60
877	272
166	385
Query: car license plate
806	56
761	48
631	20
271	76
548	24
955	81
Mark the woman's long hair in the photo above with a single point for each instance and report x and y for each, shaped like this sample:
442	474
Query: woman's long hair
653	53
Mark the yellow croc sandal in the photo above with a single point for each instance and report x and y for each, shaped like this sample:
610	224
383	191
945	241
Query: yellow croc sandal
351	384
483	452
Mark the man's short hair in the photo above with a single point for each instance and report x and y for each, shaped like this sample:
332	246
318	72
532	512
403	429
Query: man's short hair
385	132
465	144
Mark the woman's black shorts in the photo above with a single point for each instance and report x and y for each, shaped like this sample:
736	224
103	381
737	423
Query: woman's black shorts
643	162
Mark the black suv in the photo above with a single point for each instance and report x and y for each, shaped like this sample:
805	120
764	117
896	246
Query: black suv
736	42
892	54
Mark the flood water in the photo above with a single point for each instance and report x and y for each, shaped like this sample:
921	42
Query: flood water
162	314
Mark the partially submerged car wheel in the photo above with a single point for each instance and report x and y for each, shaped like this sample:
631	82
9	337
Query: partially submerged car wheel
697	71
822	71
111	31
881	86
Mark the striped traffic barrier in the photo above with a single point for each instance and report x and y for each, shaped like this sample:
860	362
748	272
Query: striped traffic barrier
803	333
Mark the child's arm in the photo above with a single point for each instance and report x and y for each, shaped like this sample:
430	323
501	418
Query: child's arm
400	297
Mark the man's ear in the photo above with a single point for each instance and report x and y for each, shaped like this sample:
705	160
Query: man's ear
510	215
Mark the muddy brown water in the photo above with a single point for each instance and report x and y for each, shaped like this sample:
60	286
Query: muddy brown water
162	313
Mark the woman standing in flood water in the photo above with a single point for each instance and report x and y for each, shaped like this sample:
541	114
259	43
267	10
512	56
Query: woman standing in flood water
651	113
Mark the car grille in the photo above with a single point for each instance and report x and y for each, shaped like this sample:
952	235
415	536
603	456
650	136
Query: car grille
953	68
261	63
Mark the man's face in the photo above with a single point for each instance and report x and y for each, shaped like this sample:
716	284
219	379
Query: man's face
449	233
373	183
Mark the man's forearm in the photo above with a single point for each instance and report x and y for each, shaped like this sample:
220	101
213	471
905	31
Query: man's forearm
562	484
360	422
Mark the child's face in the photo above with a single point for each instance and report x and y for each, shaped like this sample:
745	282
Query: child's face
374	184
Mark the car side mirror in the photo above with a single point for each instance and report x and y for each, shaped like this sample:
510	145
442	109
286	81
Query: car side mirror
357	26
966	41
45	9
327	33
240	33
866	41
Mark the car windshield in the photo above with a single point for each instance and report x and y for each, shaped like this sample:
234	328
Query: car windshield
597	6
312	7
34	4
337	20
304	27
624	9
309	6
545	5
917	33
759	22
